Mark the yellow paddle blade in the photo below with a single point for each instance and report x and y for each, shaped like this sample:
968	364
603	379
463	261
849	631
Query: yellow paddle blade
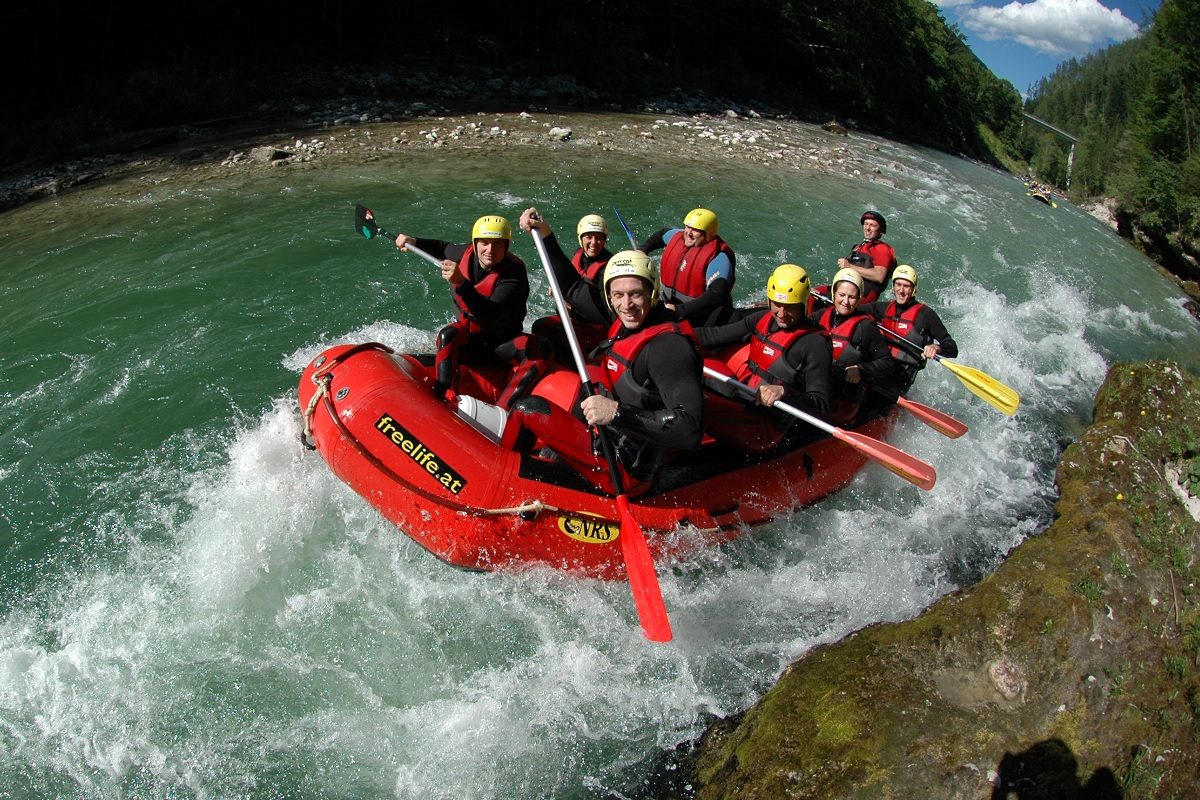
1003	397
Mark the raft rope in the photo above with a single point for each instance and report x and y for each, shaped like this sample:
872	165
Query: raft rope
532	507
323	379
322	391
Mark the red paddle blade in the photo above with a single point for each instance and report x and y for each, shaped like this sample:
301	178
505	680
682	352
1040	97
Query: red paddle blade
942	422
643	580
911	468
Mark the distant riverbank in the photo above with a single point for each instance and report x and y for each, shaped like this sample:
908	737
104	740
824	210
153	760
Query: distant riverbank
349	131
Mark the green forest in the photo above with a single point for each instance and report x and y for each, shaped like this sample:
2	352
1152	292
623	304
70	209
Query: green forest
1135	109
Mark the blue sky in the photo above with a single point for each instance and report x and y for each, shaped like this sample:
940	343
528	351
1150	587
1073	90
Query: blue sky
1024	40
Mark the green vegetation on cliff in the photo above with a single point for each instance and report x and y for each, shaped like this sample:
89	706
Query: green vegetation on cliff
1136	109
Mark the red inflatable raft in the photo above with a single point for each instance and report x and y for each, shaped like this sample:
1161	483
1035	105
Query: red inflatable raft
443	479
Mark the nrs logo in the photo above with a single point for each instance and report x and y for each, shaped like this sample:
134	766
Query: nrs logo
590	530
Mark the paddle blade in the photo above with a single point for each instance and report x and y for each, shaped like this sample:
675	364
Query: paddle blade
643	580
985	386
364	222
940	421
911	468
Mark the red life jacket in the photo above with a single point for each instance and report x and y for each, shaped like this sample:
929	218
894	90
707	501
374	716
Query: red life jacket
765	361
590	273
903	324
485	285
844	352
682	268
882	255
619	354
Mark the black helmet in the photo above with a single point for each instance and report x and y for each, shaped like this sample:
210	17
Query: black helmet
875	215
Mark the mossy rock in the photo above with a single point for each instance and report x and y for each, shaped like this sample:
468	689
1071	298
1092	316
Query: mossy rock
1069	672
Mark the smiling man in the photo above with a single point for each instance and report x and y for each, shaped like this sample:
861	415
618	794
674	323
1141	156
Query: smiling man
697	269
787	358
651	396
916	323
490	288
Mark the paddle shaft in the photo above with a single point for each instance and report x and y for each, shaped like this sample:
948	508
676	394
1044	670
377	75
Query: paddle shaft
643	580
912	469
940	421
629	233
367	226
577	355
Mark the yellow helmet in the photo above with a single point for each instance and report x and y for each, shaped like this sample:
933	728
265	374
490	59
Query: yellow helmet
631	263
702	219
850	275
788	284
491	227
907	273
592	223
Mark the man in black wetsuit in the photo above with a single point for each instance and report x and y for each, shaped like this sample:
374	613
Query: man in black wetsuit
579	279
787	357
917	324
652	391
490	288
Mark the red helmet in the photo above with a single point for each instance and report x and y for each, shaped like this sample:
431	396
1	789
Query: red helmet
875	215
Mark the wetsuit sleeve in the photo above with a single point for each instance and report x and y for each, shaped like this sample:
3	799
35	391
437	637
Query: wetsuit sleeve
564	271
812	357
875	309
587	304
656	241
877	363
673	366
586	299
934	329
733	333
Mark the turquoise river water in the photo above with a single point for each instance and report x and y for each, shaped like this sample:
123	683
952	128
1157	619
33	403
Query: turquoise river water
191	605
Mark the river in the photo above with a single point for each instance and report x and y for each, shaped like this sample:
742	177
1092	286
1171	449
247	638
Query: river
191	605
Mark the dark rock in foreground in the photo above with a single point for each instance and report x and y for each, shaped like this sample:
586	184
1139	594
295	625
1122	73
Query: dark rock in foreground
1070	672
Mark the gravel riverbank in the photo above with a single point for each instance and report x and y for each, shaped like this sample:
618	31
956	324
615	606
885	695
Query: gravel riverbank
348	133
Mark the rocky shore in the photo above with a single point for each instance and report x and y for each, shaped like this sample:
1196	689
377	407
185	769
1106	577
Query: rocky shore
1072	672
360	128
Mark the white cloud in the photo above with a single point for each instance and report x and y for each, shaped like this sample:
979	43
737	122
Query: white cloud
1056	27
953	3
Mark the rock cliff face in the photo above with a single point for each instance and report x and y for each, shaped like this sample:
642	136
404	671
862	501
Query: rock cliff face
1071	672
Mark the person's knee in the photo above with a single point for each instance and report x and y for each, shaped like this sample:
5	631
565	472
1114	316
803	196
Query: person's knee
447	336
526	417
532	405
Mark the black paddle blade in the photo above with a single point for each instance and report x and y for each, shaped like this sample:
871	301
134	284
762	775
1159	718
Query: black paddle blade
364	222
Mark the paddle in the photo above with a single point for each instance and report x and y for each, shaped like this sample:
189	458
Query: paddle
1002	397
643	580
364	223
940	421
911	468
628	232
